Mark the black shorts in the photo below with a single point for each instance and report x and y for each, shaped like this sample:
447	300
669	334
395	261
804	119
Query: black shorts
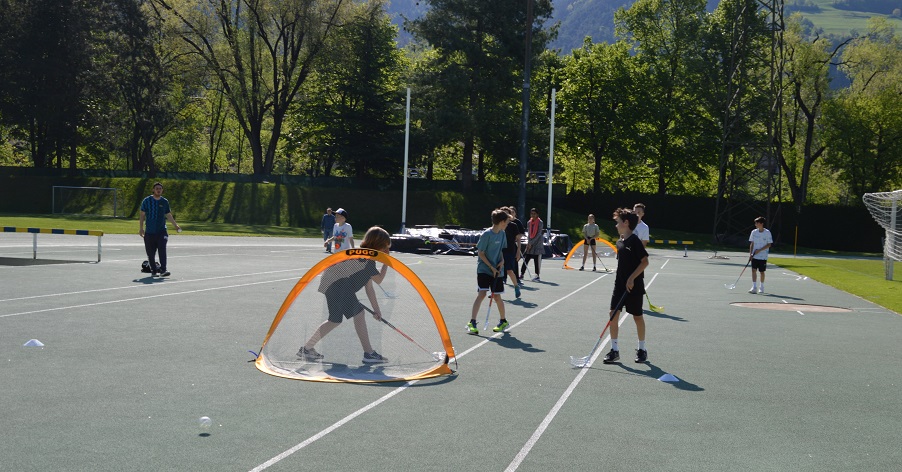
341	307
485	282
759	264
590	241
633	303
510	260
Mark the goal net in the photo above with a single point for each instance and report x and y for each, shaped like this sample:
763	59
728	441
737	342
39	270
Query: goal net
885	208
93	201
327	329
605	255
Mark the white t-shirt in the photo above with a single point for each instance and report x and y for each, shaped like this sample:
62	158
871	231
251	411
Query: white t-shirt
642	231
759	239
342	234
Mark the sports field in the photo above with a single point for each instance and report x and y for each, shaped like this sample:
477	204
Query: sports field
811	381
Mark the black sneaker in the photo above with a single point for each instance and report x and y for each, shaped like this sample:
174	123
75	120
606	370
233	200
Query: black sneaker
373	358
611	357
309	355
641	356
165	273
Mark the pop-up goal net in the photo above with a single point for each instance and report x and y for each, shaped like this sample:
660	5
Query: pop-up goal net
885	208
605	252
327	329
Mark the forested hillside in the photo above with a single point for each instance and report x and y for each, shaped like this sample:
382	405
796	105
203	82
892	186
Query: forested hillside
595	18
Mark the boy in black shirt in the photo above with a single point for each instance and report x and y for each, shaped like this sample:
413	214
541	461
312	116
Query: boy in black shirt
632	259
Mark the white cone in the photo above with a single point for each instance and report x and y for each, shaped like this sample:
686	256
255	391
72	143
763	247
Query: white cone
668	378
33	343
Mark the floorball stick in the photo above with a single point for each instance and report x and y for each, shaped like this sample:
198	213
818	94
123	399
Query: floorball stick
733	285
582	361
435	355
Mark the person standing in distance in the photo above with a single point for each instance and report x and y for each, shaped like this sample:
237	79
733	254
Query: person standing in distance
760	242
155	211
642	229
342	232
326	226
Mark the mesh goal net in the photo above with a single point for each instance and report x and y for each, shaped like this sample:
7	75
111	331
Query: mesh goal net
885	208
605	253
327	327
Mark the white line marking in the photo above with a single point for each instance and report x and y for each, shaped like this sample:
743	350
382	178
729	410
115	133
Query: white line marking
518	459
150	285
385	397
167	294
664	265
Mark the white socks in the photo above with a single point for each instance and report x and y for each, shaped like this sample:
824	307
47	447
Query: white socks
642	345
614	345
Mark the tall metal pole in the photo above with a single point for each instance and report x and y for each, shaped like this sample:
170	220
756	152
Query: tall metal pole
406	152
550	176
524	138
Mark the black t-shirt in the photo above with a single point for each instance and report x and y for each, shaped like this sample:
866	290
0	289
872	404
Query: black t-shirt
629	255
513	231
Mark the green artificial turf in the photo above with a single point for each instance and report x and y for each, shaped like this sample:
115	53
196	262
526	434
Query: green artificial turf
862	277
130	226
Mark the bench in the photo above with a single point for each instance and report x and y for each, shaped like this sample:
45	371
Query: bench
685	244
36	231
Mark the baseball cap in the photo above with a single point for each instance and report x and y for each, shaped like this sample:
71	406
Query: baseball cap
342	212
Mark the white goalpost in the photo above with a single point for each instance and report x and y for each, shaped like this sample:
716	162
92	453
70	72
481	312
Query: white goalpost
884	207
94	201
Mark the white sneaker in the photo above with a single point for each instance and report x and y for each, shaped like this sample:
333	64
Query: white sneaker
760	289
753	290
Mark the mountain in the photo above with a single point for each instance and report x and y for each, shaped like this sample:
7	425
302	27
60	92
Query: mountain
595	18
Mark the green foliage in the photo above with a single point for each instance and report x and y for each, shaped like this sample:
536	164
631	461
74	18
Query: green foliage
352	118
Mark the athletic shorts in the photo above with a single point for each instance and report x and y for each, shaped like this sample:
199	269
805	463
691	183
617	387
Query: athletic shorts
484	283
759	264
633	303
590	241
342	306
510	261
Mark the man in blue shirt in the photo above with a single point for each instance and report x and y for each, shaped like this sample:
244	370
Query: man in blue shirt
327	225
154	212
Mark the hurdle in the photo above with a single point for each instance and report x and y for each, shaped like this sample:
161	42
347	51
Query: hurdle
36	231
685	244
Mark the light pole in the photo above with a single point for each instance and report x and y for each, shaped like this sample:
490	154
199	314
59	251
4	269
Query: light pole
524	138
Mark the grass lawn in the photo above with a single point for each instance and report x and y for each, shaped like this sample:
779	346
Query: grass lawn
862	277
130	226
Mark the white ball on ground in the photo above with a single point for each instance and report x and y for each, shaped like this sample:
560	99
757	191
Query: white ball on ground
205	422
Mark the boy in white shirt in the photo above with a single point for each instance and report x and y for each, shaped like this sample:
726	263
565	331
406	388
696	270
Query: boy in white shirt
342	233
760	242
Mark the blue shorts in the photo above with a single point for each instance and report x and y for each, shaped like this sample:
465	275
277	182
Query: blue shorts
485	282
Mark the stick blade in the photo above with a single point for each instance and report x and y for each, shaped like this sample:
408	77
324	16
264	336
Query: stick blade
729	286
579	362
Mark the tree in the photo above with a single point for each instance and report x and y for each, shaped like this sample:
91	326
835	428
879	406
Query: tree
863	124
352	112
479	54
807	82
598	98
665	34
260	52
50	48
